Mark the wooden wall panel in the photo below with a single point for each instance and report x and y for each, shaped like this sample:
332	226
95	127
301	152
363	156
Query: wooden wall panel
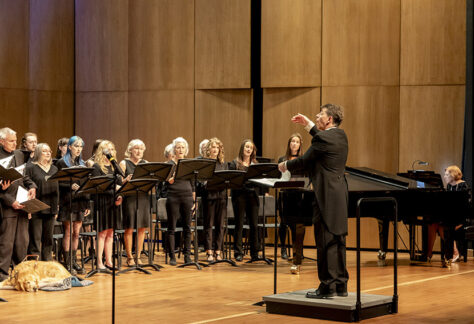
361	42
222	33
161	45
431	126
51	45
102	115
226	114
52	116
291	43
279	105
14	44
158	117
371	122
14	110
433	42
102	45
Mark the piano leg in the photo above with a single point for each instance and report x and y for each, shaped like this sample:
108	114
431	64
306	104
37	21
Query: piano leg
383	237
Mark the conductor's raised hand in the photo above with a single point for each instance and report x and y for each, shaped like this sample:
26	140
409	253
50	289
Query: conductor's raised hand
300	119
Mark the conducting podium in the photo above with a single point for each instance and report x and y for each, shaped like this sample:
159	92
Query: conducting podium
158	171
71	174
225	180
96	186
260	171
195	170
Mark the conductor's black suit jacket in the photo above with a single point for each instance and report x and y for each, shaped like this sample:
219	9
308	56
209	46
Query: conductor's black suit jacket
325	162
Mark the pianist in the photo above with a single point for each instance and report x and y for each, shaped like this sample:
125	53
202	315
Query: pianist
325	162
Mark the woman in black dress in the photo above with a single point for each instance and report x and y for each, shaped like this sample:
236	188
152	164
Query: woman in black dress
453	234
79	210
213	201
42	223
105	205
179	203
245	202
134	156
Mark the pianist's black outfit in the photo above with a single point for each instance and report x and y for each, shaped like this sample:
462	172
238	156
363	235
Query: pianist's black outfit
42	223
179	204
325	162
14	226
245	202
214	210
450	233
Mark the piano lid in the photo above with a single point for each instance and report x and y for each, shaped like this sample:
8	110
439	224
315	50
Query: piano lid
390	180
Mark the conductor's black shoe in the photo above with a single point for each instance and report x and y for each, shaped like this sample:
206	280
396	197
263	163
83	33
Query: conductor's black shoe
187	259
172	261
317	294
284	255
238	257
341	290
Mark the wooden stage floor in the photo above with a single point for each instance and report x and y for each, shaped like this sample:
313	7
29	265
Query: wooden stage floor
226	294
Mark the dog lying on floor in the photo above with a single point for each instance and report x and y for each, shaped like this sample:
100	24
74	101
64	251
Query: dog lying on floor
33	275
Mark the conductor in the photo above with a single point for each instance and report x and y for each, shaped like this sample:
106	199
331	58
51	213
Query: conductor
325	162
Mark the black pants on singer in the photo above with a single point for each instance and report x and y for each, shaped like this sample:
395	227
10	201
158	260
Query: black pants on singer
179	207
41	236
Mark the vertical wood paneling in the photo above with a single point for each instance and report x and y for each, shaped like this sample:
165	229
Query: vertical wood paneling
51	45
361	42
14	109
157	117
102	45
279	105
371	124
52	116
291	43
222	33
433	42
431	126
14	44
102	115
226	114
161	44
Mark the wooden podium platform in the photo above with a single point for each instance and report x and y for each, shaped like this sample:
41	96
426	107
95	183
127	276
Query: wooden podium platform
336	308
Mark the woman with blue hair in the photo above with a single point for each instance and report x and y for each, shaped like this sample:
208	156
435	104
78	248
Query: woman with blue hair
79	206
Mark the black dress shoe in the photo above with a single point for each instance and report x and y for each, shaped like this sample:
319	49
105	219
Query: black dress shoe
238	257
317	294
172	261
341	290
284	255
111	268
254	258
187	259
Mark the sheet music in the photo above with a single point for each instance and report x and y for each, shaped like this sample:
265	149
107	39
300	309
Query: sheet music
32	205
6	162
21	169
21	195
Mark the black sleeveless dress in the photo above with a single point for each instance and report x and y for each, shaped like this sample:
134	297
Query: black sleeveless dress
130	203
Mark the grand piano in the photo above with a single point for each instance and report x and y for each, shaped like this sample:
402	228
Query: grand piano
419	202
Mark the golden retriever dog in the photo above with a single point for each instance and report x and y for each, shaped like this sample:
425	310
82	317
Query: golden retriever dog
32	275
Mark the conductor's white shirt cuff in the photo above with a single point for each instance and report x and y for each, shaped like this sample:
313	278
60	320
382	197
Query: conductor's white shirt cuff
309	126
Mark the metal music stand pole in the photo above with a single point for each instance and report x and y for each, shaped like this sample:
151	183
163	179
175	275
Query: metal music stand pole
195	169
95	186
135	187
226	179
259	171
71	174
158	171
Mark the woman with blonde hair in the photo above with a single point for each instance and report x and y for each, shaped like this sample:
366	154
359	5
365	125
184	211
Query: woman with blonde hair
134	156
214	205
42	223
105	204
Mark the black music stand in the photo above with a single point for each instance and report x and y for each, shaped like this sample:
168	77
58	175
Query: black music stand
135	187
71	174
159	171
259	171
226	179
195	169
95	186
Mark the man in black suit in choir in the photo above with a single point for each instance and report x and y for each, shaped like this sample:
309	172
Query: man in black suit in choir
325	162
14	236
